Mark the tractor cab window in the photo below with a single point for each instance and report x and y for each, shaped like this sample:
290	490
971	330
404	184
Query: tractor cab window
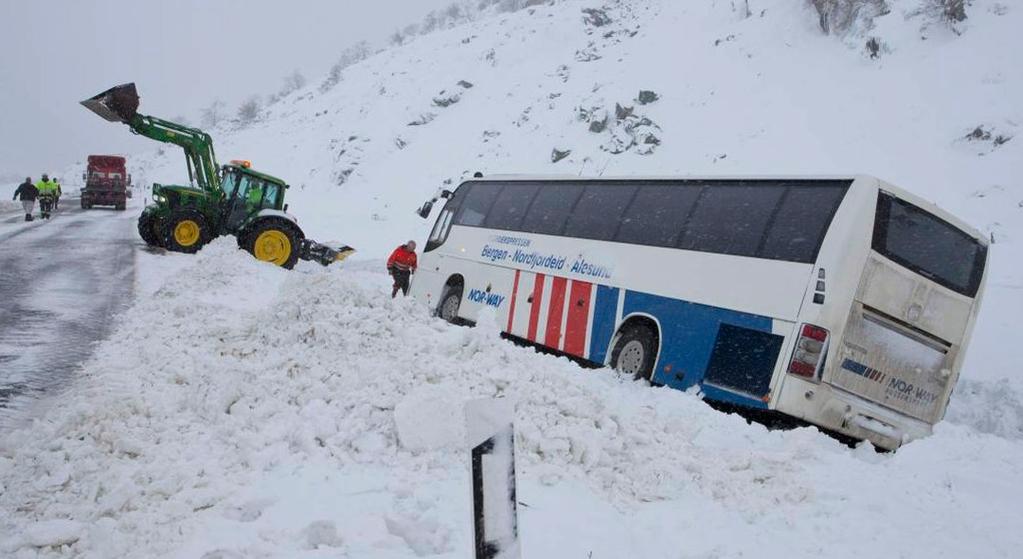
258	193
271	193
229	183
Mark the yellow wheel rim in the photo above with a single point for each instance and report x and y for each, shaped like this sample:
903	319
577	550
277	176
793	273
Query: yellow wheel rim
273	246
186	233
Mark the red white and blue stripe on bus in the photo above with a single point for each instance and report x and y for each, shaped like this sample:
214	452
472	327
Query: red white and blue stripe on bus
580	318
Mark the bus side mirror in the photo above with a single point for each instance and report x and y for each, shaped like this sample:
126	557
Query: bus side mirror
285	207
424	210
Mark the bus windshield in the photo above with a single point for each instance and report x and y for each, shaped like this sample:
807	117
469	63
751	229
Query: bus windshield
928	245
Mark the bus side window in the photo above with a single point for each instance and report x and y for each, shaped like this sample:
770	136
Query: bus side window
731	218
657	214
477	203
551	208
596	214
802	221
511	205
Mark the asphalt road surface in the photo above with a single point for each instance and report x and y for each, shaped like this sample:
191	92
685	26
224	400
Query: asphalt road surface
62	281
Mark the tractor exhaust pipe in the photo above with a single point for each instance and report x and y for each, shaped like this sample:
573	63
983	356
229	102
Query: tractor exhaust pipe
117	104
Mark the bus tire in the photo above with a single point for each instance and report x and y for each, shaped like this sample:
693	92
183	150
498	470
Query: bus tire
635	351
449	303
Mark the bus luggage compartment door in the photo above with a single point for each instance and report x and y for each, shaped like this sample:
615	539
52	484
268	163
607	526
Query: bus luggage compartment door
895	349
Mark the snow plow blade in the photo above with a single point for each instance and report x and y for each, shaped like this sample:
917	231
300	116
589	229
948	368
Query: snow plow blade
117	104
326	255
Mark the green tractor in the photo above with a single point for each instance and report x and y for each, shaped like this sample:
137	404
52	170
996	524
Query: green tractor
220	200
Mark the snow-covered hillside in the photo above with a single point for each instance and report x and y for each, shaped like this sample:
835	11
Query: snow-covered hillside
757	95
243	411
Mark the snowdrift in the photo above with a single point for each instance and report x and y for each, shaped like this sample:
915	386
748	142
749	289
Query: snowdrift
273	414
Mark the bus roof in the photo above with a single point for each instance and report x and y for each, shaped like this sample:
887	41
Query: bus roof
858	181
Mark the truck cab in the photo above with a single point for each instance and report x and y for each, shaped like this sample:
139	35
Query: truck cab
107	182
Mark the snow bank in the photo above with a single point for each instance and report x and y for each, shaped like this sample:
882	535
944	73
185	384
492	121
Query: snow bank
275	414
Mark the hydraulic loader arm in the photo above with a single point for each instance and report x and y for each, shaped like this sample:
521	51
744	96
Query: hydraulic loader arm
198	146
120	104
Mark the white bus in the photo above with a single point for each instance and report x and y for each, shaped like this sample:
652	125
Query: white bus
845	302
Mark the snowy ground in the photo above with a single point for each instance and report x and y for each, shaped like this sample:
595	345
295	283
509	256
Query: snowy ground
242	411
269	413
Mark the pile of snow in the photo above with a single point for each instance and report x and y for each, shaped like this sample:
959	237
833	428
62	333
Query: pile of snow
281	414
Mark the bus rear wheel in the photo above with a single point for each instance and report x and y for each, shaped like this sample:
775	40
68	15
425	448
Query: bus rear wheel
635	351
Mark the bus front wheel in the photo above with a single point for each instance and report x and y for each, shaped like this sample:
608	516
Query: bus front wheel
449	303
635	352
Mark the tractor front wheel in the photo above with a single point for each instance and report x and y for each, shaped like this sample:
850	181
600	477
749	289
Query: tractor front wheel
185	231
274	240
147	229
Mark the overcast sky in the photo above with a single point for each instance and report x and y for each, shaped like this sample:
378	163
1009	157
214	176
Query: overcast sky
181	54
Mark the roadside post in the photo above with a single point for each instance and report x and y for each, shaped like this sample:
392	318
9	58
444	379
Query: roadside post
491	437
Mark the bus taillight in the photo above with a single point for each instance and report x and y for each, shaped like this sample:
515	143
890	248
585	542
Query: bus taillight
810	349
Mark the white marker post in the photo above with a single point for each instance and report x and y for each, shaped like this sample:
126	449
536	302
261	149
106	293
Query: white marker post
491	436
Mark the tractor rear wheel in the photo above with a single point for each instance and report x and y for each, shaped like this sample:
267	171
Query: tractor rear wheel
274	240
185	231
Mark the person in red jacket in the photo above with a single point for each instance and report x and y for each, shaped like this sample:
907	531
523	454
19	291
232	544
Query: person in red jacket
401	265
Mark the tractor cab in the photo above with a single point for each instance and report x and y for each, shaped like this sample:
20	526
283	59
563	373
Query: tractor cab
246	193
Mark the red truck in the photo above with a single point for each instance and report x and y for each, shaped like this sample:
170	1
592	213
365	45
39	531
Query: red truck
107	182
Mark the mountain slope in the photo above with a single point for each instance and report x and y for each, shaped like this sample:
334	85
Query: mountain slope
761	95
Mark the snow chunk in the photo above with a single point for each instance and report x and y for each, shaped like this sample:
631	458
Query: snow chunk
53	533
425	536
430	418
322	533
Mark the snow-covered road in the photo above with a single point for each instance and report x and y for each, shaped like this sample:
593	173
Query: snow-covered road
61	281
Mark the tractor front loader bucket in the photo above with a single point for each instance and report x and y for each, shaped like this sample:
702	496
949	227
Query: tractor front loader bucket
117	104
319	252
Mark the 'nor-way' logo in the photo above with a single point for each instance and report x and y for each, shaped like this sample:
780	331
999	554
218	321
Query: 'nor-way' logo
481	296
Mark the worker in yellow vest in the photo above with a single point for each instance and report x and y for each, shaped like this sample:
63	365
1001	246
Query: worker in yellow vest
47	193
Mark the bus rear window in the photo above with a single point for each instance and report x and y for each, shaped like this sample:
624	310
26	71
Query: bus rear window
928	245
